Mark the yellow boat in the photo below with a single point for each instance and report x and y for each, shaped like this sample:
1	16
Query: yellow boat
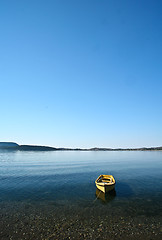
105	183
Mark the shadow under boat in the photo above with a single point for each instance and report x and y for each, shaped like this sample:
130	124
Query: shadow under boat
105	197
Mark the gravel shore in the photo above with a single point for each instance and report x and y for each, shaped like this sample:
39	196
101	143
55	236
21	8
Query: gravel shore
46	222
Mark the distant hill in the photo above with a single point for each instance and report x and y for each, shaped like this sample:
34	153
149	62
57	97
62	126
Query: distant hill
126	149
15	146
8	145
35	148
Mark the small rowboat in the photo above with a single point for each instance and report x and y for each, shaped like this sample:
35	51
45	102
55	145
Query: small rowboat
105	183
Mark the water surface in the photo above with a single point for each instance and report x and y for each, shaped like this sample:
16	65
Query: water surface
60	185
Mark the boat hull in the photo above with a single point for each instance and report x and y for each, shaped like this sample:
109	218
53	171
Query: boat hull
105	188
105	183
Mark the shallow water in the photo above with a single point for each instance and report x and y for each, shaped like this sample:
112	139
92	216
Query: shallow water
42	188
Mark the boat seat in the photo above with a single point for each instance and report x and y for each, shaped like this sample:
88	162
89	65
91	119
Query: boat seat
106	180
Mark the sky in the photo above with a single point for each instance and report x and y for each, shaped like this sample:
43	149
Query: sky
81	73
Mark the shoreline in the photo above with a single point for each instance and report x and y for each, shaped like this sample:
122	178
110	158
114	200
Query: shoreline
34	221
16	147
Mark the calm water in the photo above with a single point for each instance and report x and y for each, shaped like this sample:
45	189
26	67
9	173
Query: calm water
63	183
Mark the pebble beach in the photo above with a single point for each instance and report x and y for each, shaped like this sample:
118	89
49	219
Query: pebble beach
45	222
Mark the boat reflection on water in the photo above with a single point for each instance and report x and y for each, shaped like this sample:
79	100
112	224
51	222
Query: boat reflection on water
105	197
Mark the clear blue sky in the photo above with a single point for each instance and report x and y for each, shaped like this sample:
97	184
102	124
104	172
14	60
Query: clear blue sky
81	73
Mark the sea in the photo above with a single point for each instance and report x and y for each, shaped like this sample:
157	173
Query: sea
52	195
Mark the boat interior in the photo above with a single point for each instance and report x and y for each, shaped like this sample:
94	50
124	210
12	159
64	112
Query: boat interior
107	179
